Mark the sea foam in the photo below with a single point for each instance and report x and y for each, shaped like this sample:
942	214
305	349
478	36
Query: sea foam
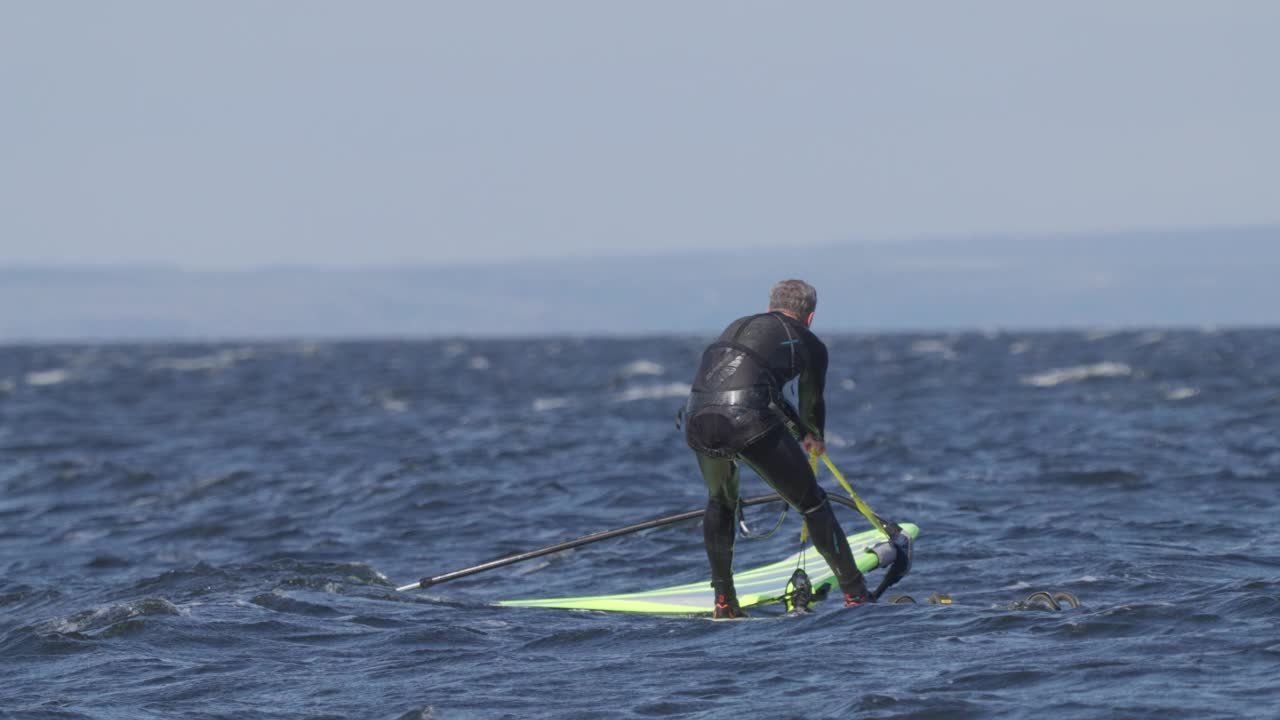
1078	373
641	367
654	392
217	361
47	377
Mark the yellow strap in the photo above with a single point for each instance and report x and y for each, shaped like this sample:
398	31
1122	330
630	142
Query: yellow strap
862	507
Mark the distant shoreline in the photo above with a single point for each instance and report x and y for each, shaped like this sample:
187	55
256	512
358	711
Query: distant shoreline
1216	278
622	337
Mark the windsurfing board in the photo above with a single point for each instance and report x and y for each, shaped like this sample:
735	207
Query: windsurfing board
759	586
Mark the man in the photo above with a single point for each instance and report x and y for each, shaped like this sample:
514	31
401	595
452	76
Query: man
736	411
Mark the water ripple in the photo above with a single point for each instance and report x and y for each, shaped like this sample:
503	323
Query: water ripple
217	530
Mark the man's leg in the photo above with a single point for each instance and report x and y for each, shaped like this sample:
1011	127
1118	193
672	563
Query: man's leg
781	462
719	529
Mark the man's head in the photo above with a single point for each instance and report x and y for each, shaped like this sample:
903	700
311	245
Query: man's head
796	298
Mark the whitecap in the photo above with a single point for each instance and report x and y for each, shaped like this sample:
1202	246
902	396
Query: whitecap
83	536
394	405
47	377
216	361
105	616
848	384
478	362
836	441
642	367
531	568
654	392
1182	393
1150	338
932	347
1019	347
1078	373
549	403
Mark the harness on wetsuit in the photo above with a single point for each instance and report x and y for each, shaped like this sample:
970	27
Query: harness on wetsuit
776	401
752	404
722	422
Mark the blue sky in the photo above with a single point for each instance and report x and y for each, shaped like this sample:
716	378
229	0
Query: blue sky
241	134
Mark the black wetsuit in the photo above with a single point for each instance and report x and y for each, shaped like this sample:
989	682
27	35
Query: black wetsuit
736	411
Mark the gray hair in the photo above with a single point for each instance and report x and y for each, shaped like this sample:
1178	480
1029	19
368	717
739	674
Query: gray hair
796	296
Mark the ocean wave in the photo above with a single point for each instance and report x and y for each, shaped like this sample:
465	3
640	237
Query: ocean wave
217	361
544	404
393	405
47	377
426	713
1181	393
267	504
389	400
26	598
1149	338
641	367
654	392
280	602
932	347
1078	373
836	440
323	575
1110	476
90	621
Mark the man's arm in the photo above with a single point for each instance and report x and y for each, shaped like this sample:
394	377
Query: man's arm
813	408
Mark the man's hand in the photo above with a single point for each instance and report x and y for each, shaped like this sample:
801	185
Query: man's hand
814	444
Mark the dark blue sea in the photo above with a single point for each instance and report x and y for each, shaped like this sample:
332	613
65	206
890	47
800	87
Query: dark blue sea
218	530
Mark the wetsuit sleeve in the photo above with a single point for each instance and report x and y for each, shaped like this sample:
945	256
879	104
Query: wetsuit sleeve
813	381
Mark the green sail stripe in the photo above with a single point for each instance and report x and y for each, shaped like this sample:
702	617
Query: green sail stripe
782	569
755	587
